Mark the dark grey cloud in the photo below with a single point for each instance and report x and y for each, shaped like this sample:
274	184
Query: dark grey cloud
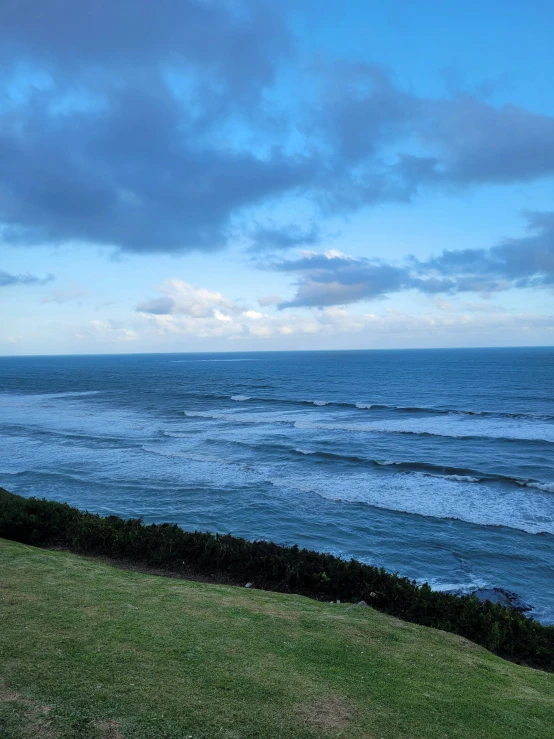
527	261
149	127
274	238
384	144
237	43
129	176
7	279
124	145
335	279
478	143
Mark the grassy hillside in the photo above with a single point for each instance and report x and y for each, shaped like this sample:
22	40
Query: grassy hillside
87	650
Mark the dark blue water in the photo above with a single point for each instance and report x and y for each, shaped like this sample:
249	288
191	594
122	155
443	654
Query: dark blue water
438	464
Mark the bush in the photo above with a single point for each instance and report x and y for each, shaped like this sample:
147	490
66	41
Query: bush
271	567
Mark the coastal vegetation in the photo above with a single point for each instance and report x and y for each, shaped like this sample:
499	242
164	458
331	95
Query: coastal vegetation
267	566
89	651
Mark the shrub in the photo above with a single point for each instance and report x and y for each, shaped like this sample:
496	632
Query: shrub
271	567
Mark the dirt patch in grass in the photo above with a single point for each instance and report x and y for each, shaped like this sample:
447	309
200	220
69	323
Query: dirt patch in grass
327	714
8	695
108	729
33	717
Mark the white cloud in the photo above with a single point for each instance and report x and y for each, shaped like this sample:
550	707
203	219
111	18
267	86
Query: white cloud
200	318
181	298
221	316
113	331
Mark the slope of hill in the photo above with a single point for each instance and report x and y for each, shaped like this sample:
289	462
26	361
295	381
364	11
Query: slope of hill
88	650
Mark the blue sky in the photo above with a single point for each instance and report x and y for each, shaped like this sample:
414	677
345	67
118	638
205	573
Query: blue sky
231	175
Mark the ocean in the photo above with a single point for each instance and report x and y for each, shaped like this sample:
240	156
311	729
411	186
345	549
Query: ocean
436	464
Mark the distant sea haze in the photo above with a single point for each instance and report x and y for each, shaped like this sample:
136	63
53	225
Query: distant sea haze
437	464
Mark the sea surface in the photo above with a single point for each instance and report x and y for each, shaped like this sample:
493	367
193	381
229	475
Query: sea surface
437	464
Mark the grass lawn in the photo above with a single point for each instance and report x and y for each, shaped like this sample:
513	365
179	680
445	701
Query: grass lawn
87	650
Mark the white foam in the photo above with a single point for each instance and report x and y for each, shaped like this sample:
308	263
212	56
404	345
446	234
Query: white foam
240	397
450	426
464	587
455	478
429	495
80	417
546	487
364	406
319	402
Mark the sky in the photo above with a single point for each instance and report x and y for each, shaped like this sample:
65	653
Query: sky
237	175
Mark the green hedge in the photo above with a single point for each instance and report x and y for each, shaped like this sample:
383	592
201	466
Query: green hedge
285	569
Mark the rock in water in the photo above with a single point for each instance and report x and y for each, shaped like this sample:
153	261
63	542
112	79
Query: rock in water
503	598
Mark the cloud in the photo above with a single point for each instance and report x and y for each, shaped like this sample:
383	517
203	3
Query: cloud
116	132
198	311
385	144
7	280
333	278
129	176
109	329
518	262
273	238
238	42
320	328
158	127
181	298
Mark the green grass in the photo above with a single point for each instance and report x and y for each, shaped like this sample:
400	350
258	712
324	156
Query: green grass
88	650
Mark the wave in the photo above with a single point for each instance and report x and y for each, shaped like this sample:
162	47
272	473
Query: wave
426	501
417	491
414	410
457	474
49	396
368	406
517	435
447	472
466	475
428	410
546	487
374	428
